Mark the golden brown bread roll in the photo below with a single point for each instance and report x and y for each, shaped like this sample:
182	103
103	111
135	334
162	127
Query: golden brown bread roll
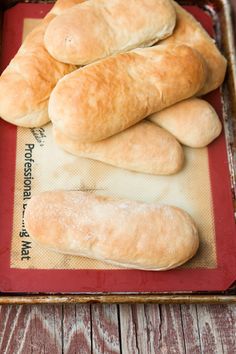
190	32
99	28
27	82
104	98
193	122
122	232
143	147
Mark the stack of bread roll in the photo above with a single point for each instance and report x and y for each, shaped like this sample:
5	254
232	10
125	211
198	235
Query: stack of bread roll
120	82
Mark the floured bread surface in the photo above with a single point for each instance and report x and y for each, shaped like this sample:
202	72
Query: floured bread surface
99	28
143	147
27	82
194	122
127	233
104	98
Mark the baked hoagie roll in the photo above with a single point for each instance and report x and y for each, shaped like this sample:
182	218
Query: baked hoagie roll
106	97
193	122
27	82
122	232
144	148
190	32
100	28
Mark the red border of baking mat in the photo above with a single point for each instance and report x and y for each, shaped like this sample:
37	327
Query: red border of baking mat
19	280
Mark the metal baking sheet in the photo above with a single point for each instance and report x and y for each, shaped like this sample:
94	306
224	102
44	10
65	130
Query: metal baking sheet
220	11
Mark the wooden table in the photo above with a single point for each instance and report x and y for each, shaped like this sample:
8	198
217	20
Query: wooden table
127	329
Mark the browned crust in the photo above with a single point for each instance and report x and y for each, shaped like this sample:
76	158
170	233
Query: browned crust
190	32
104	98
100	28
27	82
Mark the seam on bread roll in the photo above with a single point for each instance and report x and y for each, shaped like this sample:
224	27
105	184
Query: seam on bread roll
193	122
144	148
104	98
100	28
27	82
123	232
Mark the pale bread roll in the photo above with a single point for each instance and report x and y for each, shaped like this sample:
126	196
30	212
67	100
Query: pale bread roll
99	28
190	32
193	122
27	82
143	147
122	232
104	98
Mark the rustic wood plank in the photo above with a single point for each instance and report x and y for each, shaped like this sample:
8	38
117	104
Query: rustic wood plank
140	328
105	329
30	329
144	328
76	329
151	329
217	328
172	337
190	329
152	326
129	340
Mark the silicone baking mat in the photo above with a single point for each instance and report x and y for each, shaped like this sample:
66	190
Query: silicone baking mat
202	188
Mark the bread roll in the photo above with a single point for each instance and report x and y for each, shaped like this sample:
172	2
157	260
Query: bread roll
27	82
122	232
194	122
104	98
99	28
143	147
190	32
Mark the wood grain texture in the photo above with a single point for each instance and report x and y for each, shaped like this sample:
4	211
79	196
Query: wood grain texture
126	329
172	340
217	328
190	328
30	329
105	329
76	324
140	327
151	329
